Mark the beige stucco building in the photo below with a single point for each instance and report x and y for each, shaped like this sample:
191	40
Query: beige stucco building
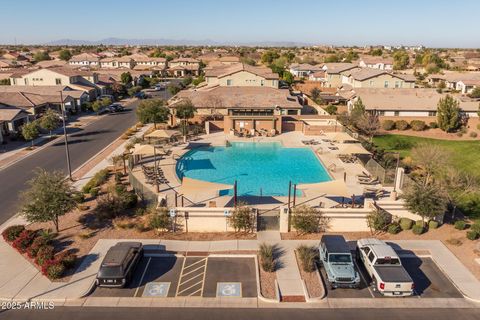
241	75
376	78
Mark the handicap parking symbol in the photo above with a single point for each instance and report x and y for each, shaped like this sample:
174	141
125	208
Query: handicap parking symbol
156	289
229	289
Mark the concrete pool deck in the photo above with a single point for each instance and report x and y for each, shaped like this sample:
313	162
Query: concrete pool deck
335	167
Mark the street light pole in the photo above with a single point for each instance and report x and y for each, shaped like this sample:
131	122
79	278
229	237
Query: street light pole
69	168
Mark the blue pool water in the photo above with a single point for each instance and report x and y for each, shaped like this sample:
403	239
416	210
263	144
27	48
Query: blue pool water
259	168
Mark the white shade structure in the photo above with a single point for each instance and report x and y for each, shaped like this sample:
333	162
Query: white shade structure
332	188
342	137
193	189
352	148
167	134
144	149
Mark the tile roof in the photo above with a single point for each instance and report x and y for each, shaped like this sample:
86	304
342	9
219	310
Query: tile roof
85	57
9	113
226	70
250	97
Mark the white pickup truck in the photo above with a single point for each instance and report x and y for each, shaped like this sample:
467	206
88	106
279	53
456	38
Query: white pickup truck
383	265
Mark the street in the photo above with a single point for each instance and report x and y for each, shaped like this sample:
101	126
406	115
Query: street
79	313
83	144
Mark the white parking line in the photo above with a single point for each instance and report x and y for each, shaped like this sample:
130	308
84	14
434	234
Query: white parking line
363	278
143	275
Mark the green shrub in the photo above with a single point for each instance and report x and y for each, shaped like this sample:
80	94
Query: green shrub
160	220
53	269
420	223
476	226
418	125
37	243
406	223
306	219
97	180
394	228
308	256
478	126
79	197
417	229
433	125
401	125
472	235
378	220
44	254
460	225
94	192
267	260
67	258
473	134
432	224
388	125
12	233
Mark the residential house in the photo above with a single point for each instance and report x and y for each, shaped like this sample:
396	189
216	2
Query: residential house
61	76
143	62
117	62
468	85
404	102
377	78
303	70
182	67
317	76
241	75
334	73
11	120
376	63
85	59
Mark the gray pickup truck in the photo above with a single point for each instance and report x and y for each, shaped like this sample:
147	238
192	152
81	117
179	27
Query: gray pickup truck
337	261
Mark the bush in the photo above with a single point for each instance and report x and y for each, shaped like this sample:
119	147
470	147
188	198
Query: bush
98	179
308	256
378	220
406	224
418	125
44	254
460	225
242	218
476	226
432	224
24	240
37	243
473	134
433	125
267	261
401	125
478	126
388	125
79	197
160	220
420	223
418	230
394	228
306	219
94	192
12	233
67	258
472	235
53	269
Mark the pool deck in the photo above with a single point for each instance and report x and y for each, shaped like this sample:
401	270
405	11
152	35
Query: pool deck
335	167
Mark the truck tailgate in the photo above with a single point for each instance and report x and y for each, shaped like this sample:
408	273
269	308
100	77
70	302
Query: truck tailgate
393	274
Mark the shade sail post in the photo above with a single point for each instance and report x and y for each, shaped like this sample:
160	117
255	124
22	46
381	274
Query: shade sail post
289	193
235	194
294	194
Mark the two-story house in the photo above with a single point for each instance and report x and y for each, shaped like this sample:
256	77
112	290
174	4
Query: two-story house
241	75
182	67
85	60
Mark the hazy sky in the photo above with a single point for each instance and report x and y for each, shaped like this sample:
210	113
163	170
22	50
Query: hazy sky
443	23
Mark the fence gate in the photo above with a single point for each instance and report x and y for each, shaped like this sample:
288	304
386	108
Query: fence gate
268	220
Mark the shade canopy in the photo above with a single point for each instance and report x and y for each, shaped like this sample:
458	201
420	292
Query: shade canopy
332	188
353	148
167	134
144	149
194	189
342	137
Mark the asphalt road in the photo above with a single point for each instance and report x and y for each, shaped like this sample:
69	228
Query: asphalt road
83	144
78	313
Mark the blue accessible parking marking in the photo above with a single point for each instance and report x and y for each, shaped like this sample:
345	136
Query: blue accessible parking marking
156	289
229	289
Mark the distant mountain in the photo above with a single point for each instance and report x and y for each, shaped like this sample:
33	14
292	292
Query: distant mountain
171	42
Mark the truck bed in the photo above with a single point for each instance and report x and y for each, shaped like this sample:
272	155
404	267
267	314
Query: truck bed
393	274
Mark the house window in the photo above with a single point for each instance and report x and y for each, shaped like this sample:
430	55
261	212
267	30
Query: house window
371	83
381	113
396	113
229	82
385	85
397	84
58	81
262	82
432	113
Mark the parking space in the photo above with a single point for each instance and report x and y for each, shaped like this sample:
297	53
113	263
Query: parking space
191	276
150	269
230	271
430	282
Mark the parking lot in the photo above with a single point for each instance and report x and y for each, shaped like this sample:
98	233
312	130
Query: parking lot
430	282
191	276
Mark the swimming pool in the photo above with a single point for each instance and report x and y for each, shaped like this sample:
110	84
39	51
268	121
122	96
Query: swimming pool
259	168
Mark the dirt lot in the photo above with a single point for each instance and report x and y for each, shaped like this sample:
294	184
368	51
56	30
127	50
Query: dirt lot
455	240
